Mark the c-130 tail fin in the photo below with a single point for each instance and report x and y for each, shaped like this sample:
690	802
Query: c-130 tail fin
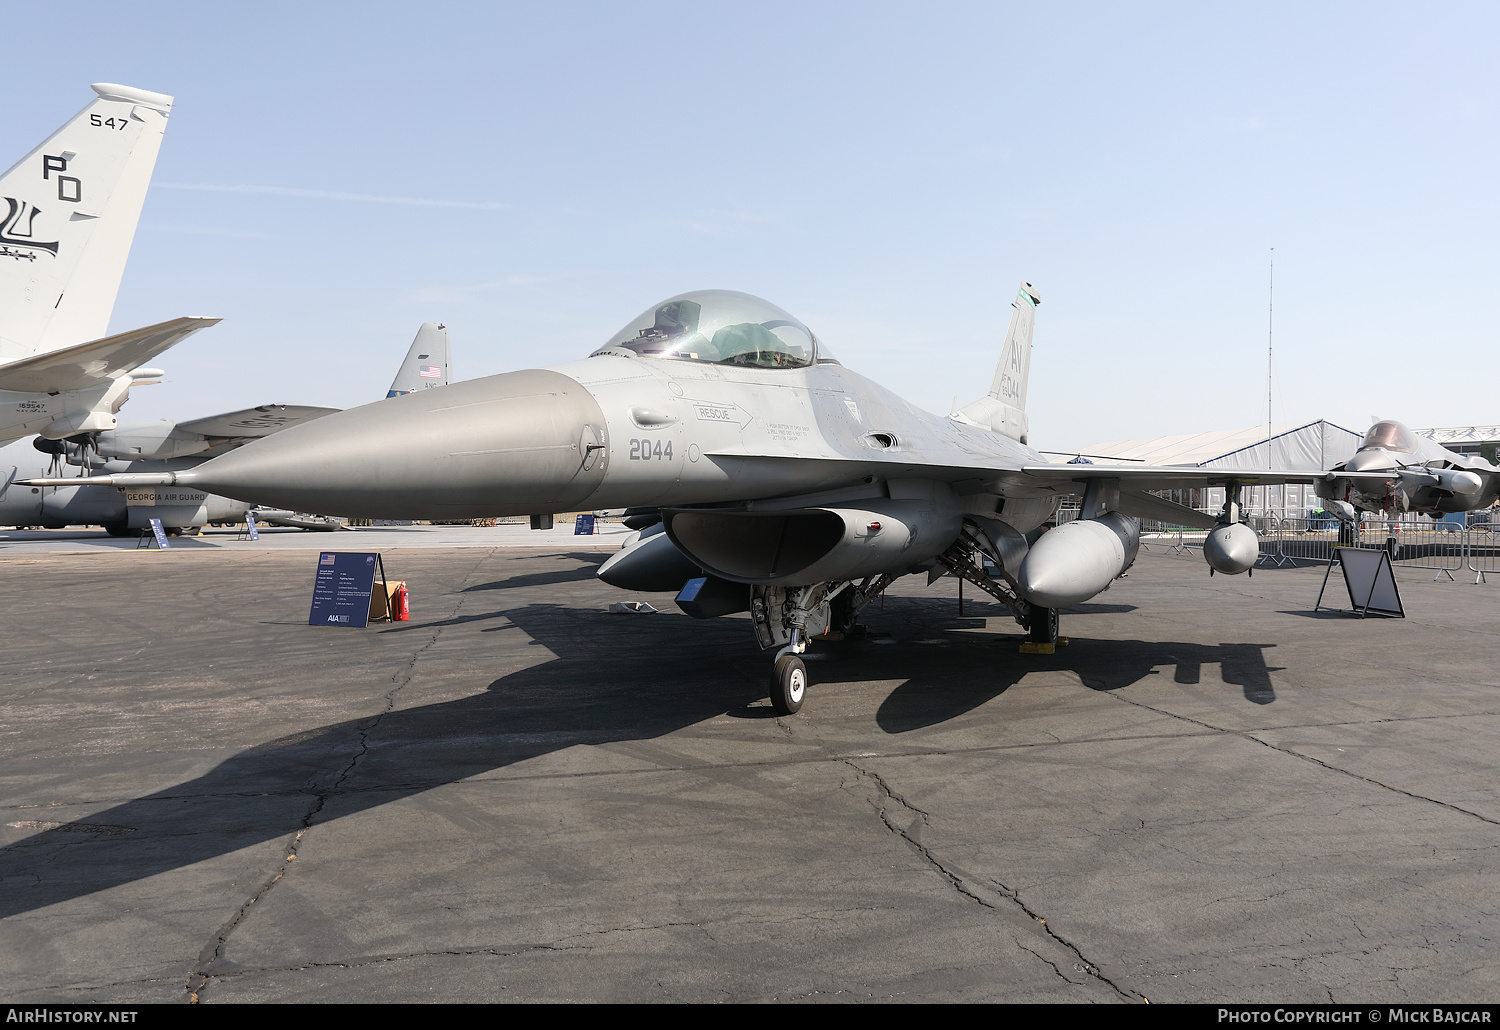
426	364
1003	409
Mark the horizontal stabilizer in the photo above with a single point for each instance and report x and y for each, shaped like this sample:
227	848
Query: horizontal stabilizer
1149	506
262	420
87	364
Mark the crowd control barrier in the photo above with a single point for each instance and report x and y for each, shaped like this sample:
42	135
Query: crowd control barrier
1413	543
1483	549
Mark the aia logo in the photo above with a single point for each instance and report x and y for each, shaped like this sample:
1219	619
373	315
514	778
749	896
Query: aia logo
16	237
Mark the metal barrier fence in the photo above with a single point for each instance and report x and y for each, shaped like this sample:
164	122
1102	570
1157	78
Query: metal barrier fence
1265	527
1484	549
1443	547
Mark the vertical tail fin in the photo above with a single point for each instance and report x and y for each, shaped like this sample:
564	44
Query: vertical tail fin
426	364
68	212
1003	409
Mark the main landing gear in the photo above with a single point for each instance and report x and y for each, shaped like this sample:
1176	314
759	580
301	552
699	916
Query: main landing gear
1041	635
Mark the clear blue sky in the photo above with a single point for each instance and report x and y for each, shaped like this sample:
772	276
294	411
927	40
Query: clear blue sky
535	175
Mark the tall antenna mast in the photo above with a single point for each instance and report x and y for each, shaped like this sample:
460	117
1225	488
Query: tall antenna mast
1270	337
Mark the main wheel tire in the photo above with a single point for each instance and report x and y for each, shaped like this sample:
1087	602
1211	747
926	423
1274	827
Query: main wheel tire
788	684
1044	625
118	529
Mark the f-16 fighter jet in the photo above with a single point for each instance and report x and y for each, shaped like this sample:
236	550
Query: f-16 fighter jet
787	484
1396	471
68	212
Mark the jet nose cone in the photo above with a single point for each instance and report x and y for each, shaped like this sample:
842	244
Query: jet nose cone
512	444
1370	461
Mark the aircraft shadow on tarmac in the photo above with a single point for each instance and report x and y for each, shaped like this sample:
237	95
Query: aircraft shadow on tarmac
944	694
608	683
541	579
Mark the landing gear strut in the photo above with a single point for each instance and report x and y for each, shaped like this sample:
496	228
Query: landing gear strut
1041	624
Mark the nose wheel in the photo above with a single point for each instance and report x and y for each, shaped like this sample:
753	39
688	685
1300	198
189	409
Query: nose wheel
788	684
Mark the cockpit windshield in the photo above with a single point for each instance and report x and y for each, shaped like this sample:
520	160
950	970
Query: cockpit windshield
1391	436
721	327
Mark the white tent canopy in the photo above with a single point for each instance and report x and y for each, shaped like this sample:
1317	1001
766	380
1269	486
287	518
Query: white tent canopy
1310	447
1313	447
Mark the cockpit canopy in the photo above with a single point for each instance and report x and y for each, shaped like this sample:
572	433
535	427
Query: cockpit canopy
721	327
1390	436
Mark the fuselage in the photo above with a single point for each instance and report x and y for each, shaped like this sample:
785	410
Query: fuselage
22	414
615	431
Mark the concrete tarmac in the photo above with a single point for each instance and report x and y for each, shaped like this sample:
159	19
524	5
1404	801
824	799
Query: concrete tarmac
1212	795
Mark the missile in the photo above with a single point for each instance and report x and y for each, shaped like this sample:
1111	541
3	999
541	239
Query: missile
1075	561
1459	481
1231	549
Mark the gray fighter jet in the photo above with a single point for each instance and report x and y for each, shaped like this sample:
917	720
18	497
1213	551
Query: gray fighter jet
787	484
1396	471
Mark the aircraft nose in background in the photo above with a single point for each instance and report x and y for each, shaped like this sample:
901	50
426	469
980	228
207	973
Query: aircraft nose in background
513	444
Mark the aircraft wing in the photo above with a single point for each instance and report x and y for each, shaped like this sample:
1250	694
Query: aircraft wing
1061	478
262	420
75	368
1165	477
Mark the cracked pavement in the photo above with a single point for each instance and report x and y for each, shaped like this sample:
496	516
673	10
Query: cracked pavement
1211	795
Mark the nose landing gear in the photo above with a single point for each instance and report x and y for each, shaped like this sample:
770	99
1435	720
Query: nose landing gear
789	675
782	615
788	684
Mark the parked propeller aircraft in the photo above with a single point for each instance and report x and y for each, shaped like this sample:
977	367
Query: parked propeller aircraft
68	212
788	485
167	446
1396	471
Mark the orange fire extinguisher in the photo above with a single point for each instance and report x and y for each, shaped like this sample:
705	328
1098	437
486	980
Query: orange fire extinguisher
403	604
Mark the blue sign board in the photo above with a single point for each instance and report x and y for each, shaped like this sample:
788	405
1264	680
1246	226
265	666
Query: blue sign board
250	524
584	526
161	535
341	592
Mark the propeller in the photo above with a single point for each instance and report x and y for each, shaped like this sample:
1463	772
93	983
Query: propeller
56	448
